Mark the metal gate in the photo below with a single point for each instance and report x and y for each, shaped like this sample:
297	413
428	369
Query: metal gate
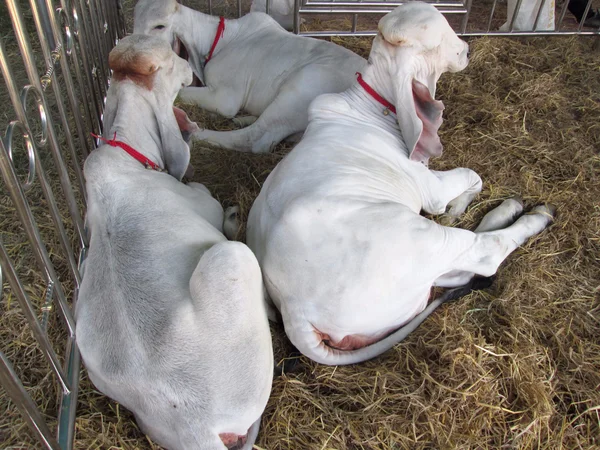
468	18
54	66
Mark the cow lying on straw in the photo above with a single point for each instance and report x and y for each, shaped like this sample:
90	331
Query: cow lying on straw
346	257
249	64
170	319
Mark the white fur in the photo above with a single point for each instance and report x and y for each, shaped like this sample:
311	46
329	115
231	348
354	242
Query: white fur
170	318
257	67
336	227
528	13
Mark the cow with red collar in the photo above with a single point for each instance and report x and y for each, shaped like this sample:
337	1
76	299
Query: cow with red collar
170	315
347	258
249	64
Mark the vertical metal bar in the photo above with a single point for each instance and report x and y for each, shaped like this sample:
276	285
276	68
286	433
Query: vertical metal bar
53	208
97	55
268	6
239	5
585	13
562	14
210	8
74	104
465	20
297	16
539	13
354	22
46	25
34	79
105	14
68	407
489	25
515	14
85	90
14	189
29	313
84	45
13	387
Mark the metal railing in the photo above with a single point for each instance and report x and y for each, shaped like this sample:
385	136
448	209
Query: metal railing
461	12
72	41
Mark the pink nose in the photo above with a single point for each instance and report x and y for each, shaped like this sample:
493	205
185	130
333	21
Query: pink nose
233	441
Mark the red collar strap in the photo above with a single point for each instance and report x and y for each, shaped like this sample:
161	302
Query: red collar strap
218	36
373	93
147	163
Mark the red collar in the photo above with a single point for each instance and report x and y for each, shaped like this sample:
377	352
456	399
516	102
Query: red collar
219	35
373	93
147	163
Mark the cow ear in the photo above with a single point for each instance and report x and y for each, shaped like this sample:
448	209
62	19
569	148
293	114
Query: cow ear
413	25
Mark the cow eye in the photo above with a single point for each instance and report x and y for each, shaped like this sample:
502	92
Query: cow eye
159	27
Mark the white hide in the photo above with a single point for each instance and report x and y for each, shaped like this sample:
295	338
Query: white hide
171	321
337	226
257	67
282	11
528	13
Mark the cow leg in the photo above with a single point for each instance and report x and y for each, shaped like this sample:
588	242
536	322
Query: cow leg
453	190
224	102
497	238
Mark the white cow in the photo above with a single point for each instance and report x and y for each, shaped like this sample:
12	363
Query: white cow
255	66
171	321
346	257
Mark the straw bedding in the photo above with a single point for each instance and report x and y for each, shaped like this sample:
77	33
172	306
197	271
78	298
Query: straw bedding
514	366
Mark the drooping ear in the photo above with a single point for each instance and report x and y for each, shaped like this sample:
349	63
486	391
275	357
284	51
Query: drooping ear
419	117
175	151
127	61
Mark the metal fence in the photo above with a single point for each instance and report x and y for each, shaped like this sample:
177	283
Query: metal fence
54	64
468	18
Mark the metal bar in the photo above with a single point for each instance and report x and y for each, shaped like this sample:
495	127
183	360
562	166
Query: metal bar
18	105
470	34
29	313
384	5
74	104
513	19
13	387
99	70
46	23
463	26
489	25
239	5
20	203
587	10
210	8
68	407
83	39
85	89
296	17
362	11
268	6
34	79
562	14
539	13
